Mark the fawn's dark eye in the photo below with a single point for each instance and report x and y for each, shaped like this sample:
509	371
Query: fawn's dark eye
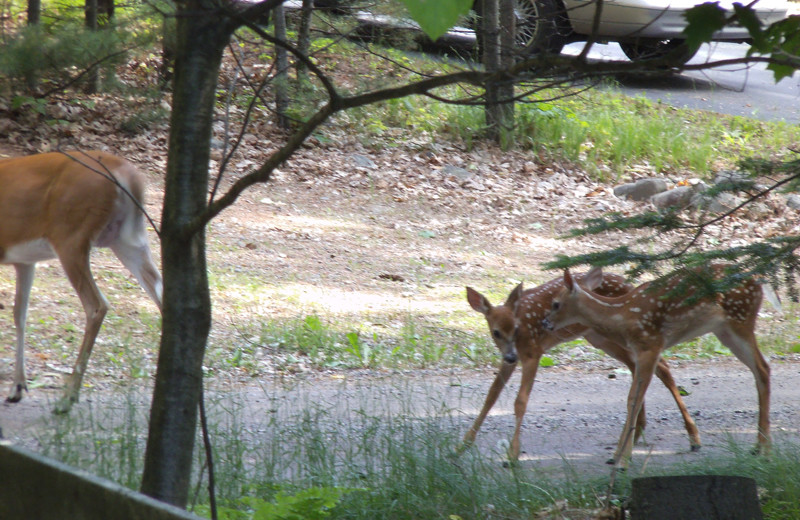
496	334
556	306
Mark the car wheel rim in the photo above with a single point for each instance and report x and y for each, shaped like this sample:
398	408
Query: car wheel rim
527	18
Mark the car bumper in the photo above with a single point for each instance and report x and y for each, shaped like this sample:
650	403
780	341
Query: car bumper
622	19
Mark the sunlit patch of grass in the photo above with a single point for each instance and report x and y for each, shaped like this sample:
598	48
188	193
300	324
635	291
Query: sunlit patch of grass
324	342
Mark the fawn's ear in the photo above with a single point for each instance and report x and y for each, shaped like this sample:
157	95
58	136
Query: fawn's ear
513	298
478	302
593	279
569	283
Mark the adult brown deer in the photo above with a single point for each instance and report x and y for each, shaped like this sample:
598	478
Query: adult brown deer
517	330
651	319
61	205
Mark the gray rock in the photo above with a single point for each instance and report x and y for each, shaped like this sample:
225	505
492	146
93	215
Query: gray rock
362	161
730	176
793	201
723	202
459	173
757	210
678	198
642	189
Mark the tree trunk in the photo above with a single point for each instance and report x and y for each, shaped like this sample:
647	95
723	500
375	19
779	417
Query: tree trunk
98	15
90	14
282	73
490	28
201	40
505	90
34	11
34	15
93	77
304	38
498	28
105	12
167	66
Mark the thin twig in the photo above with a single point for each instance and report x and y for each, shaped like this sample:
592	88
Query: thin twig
212	497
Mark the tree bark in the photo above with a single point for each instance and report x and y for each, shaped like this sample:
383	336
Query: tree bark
282	72
105	12
34	16
304	39
98	15
491	61
93	77
497	19
201	40
34	11
167	66
505	94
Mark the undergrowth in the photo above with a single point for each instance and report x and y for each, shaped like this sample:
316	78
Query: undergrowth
308	455
605	132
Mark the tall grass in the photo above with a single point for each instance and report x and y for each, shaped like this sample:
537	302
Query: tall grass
605	132
365	453
608	136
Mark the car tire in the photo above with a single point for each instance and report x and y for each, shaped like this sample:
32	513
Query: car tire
542	27
334	6
651	49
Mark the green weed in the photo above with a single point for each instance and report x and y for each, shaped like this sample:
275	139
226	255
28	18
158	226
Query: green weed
369	454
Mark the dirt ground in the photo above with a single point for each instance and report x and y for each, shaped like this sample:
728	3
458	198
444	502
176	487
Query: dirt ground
372	235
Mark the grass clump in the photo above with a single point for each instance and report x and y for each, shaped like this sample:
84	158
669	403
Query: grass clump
320	342
609	134
320	456
362	452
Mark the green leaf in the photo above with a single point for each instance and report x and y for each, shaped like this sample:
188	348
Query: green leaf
748	19
354	339
313	323
435	17
781	71
546	361
703	21
783	39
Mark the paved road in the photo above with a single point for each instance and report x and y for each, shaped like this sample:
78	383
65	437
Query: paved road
737	90
747	91
574	417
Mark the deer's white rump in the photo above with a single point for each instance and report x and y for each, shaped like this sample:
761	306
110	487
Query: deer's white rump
61	205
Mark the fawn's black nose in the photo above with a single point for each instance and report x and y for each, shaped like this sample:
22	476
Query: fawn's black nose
547	324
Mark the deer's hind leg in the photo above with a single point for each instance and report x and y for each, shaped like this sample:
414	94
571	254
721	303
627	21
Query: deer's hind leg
646	361
75	261
742	342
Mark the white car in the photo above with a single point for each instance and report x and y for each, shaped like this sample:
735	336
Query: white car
645	29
